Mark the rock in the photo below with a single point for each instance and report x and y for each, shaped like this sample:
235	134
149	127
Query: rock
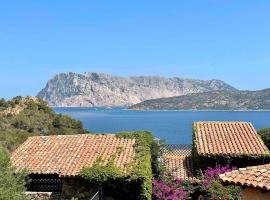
98	89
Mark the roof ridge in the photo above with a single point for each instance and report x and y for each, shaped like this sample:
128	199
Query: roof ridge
73	135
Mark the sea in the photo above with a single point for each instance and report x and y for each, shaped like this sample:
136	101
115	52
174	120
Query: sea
174	127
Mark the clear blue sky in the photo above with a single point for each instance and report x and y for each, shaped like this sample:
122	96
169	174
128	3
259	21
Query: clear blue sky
205	39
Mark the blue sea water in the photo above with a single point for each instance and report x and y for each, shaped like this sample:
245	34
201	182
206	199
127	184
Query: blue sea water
175	127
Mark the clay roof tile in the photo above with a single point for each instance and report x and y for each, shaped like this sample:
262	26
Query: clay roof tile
66	155
255	177
228	138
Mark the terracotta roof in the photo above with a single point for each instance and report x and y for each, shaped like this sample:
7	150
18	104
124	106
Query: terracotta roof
227	138
178	161
179	166
255	177
66	155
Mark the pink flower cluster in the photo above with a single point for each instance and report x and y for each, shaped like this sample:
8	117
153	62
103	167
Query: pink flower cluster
171	191
211	174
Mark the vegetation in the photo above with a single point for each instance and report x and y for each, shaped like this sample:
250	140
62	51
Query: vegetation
212	188
173	190
33	117
265	135
213	100
11	185
138	176
207	186
142	169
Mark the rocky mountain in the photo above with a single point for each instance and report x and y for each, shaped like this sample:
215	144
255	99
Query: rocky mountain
98	89
214	100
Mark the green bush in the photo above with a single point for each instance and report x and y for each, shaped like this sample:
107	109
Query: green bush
100	172
11	185
265	135
142	170
36	119
138	179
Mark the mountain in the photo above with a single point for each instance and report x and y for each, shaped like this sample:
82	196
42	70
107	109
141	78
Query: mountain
98	89
214	100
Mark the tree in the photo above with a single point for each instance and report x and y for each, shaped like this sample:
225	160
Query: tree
11	184
265	135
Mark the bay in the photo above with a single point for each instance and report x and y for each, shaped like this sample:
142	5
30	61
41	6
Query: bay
175	127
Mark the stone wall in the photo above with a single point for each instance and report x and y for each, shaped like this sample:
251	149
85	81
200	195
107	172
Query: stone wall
43	196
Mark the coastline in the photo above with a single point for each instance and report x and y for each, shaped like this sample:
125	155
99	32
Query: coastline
159	110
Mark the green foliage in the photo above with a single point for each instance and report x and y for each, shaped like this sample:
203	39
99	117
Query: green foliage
142	169
139	174
157	150
65	124
11	185
100	173
3	104
217	191
35	119
265	135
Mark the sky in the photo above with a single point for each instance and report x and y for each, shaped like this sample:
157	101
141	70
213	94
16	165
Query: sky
209	39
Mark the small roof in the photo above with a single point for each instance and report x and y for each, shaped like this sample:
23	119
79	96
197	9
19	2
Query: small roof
255	177
227	138
178	161
66	155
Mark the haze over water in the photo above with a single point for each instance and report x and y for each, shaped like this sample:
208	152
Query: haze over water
175	127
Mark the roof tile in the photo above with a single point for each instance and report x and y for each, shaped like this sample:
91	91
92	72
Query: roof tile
178	161
255	177
66	155
228	138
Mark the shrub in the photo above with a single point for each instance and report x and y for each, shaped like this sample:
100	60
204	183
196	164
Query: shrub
171	191
211	174
142	170
36	119
207	186
100	173
265	135
157	150
11	185
212	188
138	179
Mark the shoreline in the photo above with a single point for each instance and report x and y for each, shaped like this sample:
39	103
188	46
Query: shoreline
159	110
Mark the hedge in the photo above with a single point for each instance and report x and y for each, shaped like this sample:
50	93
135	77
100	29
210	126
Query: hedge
137	181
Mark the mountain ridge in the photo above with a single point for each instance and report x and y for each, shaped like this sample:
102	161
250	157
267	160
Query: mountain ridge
100	89
214	100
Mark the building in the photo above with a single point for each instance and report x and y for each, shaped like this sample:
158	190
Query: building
55	162
233	143
254	180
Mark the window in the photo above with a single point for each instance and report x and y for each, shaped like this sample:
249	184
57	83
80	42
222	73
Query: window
44	183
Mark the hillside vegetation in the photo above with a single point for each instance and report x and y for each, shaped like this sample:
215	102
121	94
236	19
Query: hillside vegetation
11	184
22	117
214	100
